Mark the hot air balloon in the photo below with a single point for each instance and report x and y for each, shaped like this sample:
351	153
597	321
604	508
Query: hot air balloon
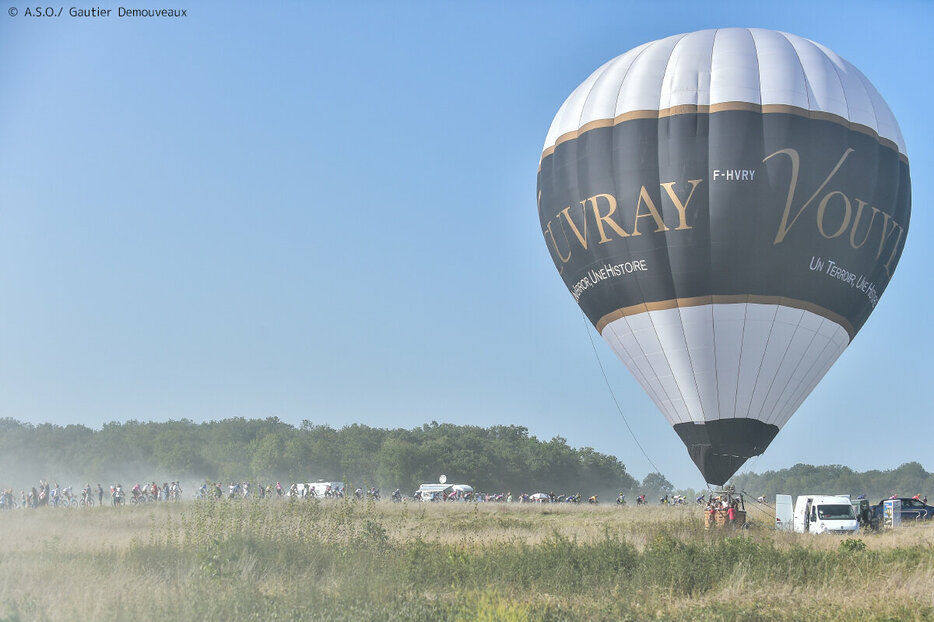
726	207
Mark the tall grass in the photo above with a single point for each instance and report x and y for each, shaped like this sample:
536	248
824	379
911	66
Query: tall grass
348	560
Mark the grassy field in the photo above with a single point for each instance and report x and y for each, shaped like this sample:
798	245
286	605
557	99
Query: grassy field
348	560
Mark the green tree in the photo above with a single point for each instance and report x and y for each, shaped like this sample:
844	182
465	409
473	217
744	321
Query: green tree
656	485
400	464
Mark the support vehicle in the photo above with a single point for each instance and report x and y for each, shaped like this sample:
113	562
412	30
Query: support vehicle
815	514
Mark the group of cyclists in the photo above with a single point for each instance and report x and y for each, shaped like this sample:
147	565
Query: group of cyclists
45	494
56	496
48	494
504	497
153	492
140	493
249	490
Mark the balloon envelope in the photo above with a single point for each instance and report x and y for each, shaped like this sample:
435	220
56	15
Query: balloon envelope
726	207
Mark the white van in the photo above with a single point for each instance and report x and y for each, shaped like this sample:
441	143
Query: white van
816	514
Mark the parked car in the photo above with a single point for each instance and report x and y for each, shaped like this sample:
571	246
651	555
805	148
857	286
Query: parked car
912	509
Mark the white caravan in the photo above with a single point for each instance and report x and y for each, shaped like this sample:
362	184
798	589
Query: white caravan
430	492
815	514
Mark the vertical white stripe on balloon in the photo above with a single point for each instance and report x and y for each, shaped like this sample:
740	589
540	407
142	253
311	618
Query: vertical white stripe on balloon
734	72
687	75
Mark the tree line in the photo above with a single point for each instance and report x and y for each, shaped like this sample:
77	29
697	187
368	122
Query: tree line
494	459
905	481
498	458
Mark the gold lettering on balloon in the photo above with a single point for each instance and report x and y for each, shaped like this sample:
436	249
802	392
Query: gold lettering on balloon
792	154
822	208
554	245
860	204
605	218
888	264
645	199
681	207
790	216
607	215
582	237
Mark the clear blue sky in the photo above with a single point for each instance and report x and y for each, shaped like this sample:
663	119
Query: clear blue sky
326	211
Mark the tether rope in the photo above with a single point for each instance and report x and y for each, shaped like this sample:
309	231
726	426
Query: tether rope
613	395
758	503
